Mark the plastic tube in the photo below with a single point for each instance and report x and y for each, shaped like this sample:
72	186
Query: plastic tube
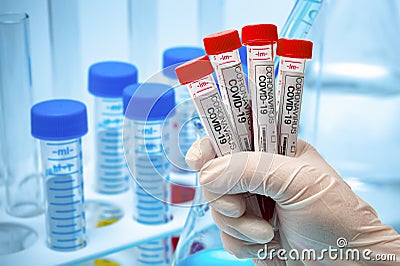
222	47
149	135
183	135
23	182
143	45
60	124
65	48
301	18
293	55
197	76
205	9
107	81
260	40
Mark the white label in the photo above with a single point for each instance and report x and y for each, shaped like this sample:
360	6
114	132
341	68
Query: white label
264	106
292	65
239	103
262	93
290	90
201	87
289	113
215	119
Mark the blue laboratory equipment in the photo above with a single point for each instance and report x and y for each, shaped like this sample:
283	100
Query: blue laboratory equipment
352	96
142	44
183	133
66	60
301	19
107	81
299	22
147	110
243	59
60	124
205	24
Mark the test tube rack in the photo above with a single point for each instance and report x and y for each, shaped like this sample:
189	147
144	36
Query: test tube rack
119	236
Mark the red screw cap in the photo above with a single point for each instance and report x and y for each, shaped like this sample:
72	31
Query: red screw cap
194	70
294	48
259	34
222	42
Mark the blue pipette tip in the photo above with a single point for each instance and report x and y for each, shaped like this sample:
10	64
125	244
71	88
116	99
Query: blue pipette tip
149	102
175	56
109	78
58	120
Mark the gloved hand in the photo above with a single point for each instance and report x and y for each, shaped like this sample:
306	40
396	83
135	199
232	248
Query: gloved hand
315	207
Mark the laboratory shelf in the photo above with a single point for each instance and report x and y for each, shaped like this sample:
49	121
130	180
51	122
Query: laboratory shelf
102	241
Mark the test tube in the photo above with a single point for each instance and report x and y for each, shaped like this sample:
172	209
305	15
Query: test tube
24	192
59	125
197	76
183	135
205	9
222	47
149	133
142	44
107	81
64	33
260	40
293	54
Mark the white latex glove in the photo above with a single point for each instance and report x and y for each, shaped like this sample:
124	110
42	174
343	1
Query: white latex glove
315	207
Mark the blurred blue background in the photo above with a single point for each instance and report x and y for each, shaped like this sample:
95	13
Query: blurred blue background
104	31
67	36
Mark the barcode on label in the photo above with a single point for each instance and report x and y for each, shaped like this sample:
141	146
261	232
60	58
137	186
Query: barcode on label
284	146
263	139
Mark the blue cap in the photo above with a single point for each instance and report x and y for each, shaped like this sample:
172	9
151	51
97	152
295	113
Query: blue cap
149	102
127	94
175	56
58	120
243	58
108	79
243	55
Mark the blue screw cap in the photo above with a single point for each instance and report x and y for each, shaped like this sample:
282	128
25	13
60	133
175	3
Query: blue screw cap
149	102
127	94
108	79
243	55
58	120
175	56
243	59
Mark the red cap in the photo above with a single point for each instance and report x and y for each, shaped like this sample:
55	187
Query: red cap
222	42
194	70
294	48
259	34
